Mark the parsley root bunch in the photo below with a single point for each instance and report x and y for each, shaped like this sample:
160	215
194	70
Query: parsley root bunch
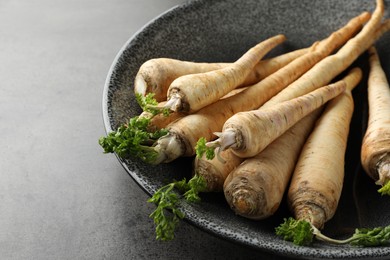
319	75
279	79
182	135
256	187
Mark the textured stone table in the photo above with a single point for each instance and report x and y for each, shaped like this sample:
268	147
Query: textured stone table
60	196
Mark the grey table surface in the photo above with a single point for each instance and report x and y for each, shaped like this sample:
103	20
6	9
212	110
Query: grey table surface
60	196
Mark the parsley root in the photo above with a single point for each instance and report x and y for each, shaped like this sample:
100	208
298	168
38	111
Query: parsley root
315	188
375	152
190	93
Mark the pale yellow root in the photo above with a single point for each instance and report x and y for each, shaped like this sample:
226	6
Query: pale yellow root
160	121
317	180
268	66
190	93
375	152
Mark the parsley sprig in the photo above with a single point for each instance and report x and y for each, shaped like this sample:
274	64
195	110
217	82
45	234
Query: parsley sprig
369	237
385	189
166	199
148	103
167	215
201	148
301	233
133	139
208	149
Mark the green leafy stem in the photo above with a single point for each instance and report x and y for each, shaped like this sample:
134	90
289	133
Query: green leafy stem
301	233
148	103
167	214
207	149
385	189
133	140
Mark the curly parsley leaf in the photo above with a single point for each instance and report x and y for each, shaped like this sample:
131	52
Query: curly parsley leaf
367	237
167	215
196	185
132	140
148	103
297	231
385	189
201	148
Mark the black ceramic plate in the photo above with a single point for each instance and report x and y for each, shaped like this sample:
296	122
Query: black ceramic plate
221	31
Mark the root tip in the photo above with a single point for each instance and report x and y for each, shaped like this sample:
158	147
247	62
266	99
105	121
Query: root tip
242	205
174	103
228	139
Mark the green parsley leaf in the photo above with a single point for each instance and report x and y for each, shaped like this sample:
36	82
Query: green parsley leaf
148	103
167	215
133	140
385	189
201	148
367	237
297	231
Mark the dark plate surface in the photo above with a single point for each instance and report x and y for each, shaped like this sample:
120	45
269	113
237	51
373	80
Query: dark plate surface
221	31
